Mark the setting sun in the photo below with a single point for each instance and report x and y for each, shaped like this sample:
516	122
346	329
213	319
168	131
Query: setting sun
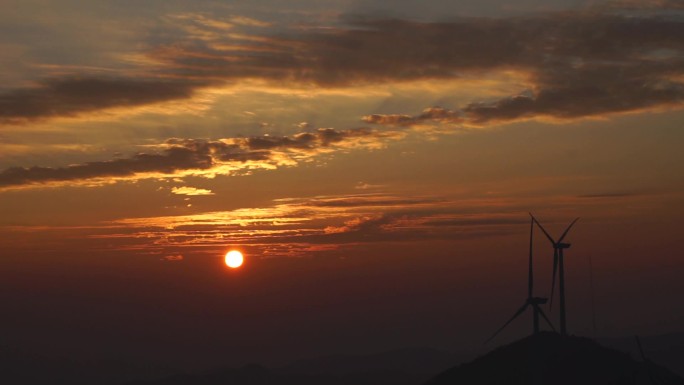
234	259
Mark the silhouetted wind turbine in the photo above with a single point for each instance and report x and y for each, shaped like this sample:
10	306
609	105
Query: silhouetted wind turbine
558	247
531	301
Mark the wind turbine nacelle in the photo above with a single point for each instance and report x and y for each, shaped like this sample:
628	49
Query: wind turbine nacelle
563	245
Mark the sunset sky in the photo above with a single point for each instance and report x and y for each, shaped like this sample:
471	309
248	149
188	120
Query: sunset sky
375	161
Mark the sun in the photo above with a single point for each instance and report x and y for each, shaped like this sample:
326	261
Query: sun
234	259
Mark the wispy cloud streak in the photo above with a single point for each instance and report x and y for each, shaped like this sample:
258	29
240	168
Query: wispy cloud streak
292	227
295	227
201	157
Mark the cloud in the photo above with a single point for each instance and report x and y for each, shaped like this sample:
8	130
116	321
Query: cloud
202	157
600	60
192	191
431	114
296	226
598	91
173	258
367	186
577	64
616	195
368	200
172	160
73	95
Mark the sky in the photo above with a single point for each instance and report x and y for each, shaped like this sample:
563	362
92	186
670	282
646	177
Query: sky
375	162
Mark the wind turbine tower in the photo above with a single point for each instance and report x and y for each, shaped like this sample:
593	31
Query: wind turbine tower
535	302
558	247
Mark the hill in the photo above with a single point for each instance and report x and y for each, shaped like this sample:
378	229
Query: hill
548	358
665	349
411	366
425	361
18	367
259	375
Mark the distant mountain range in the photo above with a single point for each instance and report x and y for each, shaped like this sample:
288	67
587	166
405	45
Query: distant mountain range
21	368
425	361
545	358
397	367
573	357
258	375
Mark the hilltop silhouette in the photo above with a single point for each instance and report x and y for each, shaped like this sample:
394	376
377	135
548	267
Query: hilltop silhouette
549	358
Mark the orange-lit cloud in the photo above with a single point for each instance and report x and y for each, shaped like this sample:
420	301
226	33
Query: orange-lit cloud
193	191
429	115
180	157
295	227
290	227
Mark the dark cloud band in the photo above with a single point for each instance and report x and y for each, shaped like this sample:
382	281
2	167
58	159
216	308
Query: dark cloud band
73	95
583	63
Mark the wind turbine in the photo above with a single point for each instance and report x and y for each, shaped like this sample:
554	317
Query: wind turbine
558	247
531	300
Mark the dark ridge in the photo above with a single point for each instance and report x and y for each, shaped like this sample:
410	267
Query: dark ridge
258	375
665	349
549	358
410	360
18	367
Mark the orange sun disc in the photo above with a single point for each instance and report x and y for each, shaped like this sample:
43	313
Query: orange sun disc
234	259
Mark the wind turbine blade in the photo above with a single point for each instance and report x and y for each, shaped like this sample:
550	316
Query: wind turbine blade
530	274
546	318
542	229
520	311
566	231
553	277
